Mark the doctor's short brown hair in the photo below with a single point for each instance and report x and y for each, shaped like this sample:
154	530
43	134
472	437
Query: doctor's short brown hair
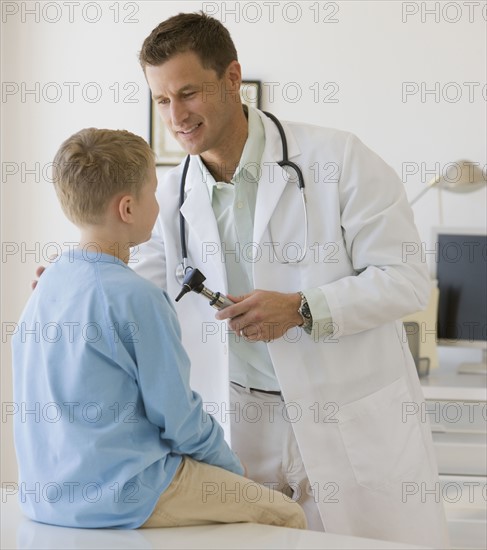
195	32
94	165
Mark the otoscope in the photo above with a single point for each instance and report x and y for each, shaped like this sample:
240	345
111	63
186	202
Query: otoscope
193	280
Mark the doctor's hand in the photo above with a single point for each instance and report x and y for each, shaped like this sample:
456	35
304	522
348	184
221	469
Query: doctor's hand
262	315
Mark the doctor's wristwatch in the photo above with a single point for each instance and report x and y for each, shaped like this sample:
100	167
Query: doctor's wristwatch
305	313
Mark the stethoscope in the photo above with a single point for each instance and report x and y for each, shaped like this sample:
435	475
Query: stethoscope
192	279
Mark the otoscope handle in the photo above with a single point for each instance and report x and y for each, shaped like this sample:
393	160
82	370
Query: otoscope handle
193	281
217	299
220	301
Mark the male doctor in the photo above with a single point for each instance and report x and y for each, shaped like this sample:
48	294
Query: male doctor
309	366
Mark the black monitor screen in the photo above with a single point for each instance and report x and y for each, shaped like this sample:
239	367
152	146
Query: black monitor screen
461	271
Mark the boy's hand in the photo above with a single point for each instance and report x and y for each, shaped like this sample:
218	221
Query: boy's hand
39	271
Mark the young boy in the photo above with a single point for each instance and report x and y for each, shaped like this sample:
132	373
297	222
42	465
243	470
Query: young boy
110	433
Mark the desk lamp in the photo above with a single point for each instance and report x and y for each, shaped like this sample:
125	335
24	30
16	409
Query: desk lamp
471	178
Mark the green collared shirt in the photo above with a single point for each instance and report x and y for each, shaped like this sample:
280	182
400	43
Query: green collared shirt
234	207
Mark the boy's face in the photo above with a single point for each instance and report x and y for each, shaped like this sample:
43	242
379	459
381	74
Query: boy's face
147	209
196	106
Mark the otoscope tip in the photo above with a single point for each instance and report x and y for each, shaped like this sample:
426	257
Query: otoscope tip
184	291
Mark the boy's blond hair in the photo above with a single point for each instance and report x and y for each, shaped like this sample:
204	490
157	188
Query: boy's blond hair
94	165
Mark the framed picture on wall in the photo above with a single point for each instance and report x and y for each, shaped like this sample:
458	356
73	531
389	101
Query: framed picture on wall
166	148
250	93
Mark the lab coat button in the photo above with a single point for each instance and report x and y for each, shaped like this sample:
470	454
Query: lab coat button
240	204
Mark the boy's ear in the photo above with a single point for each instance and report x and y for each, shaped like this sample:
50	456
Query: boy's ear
126	208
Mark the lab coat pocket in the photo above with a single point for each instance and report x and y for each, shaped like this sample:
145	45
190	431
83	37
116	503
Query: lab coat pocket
382	444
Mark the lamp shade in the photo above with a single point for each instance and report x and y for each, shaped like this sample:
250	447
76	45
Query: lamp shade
461	176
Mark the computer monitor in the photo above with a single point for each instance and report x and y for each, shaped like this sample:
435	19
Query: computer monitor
460	268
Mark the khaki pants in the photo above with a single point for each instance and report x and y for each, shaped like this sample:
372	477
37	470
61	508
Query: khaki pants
201	494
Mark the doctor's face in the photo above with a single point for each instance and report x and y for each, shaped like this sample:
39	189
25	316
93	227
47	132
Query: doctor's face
198	107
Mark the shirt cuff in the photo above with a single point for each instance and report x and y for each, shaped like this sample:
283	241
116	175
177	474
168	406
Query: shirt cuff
320	312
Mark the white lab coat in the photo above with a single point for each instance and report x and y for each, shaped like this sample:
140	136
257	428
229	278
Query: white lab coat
350	392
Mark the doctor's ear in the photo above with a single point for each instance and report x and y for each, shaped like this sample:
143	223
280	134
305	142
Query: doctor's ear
233	76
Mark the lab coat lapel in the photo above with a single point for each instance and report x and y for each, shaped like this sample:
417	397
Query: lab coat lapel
202	233
273	179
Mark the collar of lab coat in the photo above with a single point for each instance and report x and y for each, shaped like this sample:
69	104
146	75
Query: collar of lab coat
197	209
272	149
273	179
273	143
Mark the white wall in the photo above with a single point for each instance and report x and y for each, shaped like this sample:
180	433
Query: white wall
367	55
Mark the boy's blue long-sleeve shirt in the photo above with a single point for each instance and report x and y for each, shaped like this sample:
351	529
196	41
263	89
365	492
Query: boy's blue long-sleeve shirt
103	407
